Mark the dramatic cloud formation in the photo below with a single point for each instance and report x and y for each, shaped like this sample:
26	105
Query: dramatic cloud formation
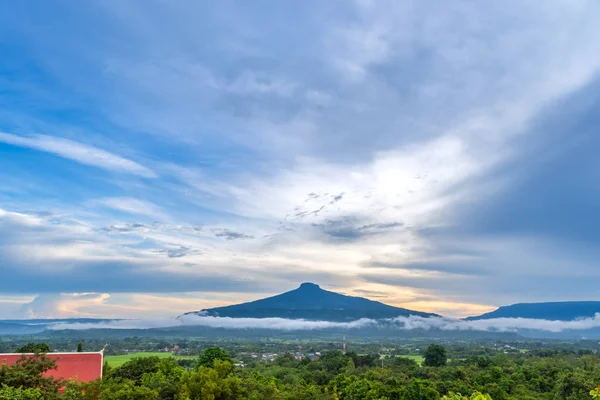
439	157
62	305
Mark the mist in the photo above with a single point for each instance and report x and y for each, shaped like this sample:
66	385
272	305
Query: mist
401	323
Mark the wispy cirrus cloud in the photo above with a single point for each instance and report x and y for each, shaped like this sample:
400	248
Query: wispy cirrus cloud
78	152
134	206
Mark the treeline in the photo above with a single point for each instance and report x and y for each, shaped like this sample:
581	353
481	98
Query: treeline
332	376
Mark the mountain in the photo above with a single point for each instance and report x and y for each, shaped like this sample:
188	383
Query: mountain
311	302
33	326
557	311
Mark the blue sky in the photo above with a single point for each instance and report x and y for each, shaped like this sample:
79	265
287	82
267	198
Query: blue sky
159	157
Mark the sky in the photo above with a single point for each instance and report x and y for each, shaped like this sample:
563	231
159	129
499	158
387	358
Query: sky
161	157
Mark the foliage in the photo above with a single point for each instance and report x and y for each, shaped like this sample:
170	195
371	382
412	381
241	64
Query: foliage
136	368
334	376
120	390
367	360
27	373
118	360
474	396
34	348
207	359
80	347
12	393
435	356
420	390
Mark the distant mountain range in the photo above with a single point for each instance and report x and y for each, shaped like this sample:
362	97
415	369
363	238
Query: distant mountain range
557	311
310	302
33	326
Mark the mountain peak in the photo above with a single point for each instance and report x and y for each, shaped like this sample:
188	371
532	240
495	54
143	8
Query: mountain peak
309	285
311	302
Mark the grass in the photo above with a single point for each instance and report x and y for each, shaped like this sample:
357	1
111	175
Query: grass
115	361
416	358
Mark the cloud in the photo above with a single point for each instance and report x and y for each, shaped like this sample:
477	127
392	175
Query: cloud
75	258
78	152
126	228
370	293
62	305
156	226
403	323
231	235
133	206
498	324
349	228
177	251
222	322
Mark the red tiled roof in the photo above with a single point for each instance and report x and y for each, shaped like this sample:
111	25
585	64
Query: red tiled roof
83	367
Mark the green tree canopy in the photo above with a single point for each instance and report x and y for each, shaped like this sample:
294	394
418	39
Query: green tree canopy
435	356
136	368
419	389
207	359
34	348
28	373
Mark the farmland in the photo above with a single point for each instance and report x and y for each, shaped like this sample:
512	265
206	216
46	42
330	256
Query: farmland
416	358
115	361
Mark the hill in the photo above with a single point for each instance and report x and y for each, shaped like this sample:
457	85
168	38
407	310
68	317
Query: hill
311	302
556	311
33	326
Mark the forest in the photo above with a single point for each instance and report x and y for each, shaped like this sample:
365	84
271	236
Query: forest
216	375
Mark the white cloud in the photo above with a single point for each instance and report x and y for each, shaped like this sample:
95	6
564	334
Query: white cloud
134	206
219	322
404	323
497	324
63	305
78	152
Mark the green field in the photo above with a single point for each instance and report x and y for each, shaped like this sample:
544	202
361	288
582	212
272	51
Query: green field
418	359
115	361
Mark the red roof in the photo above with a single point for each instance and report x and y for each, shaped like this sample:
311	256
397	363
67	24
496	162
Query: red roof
83	367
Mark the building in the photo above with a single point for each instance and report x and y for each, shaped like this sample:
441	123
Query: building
82	367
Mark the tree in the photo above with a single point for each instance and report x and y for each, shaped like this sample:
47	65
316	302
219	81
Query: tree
419	390
120	390
474	396
166	380
259	387
34	348
28	373
136	368
367	360
572	386
80	347
435	356
209	383
207	359
595	393
403	362
10	393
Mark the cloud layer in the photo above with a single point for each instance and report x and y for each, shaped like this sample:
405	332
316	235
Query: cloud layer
403	323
